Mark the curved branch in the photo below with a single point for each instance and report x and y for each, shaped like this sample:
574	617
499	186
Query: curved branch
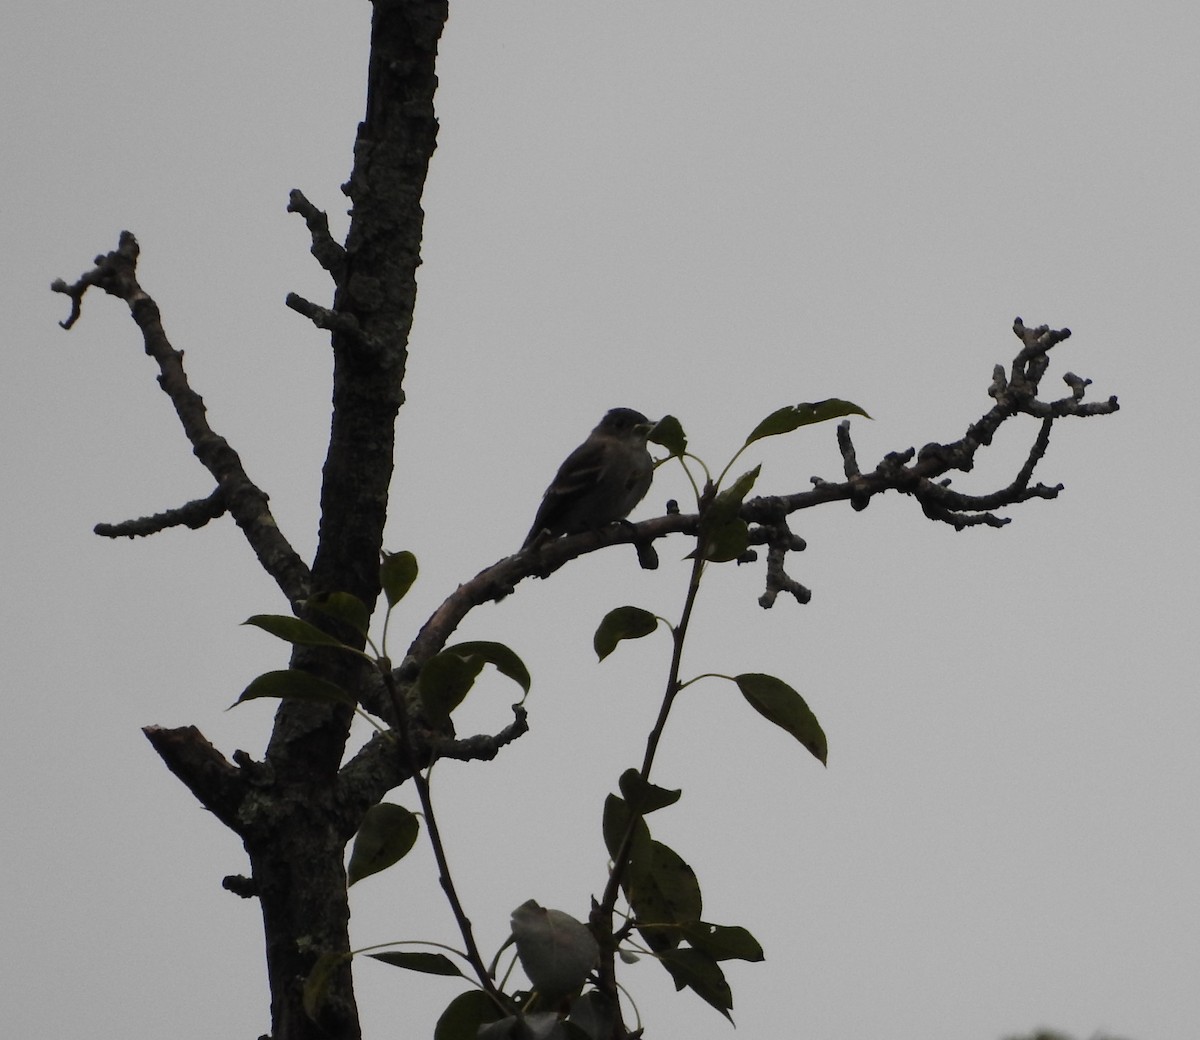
919	474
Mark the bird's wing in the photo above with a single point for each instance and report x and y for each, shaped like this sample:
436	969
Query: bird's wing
581	470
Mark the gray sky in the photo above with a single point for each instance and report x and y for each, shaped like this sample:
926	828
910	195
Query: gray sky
736	207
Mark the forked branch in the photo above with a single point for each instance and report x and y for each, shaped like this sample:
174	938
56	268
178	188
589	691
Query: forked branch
116	274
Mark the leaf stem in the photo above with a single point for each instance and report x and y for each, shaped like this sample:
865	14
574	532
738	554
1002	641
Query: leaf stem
421	782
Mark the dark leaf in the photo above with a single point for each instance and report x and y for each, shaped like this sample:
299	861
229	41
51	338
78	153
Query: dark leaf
397	573
643	797
295	631
541	1025
445	680
593	1014
386	834
784	420
622	623
699	972
465	1014
295	684
504	659
664	894
344	606
723	942
616	823
669	433
429	963
777	701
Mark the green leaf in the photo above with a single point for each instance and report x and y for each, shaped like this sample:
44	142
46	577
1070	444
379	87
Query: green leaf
644	797
386	835
784	420
723	533
622	623
429	963
664	894
616	822
293	630
699	972
593	1014
536	1025
669	433
723	942
444	680
556	951
502	657
729	501
344	606
776	700
728	541
465	1014
295	684
397	573
316	986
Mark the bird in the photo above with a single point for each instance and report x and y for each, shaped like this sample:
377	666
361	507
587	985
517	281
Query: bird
601	480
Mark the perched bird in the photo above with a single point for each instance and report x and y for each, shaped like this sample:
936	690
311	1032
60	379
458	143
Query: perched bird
601	481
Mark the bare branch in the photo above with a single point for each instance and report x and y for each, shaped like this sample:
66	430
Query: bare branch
329	253
781	541
324	318
205	772
116	274
194	514
483	747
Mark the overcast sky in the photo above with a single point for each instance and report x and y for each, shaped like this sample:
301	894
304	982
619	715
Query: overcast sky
708	209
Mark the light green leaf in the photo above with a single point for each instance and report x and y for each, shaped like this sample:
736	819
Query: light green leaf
295	684
776	700
386	835
729	501
556	951
622	623
723	533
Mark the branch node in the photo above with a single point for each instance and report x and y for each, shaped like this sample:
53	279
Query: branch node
324	318
240	885
329	254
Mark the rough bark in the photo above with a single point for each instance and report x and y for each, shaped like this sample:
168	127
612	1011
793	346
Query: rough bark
296	831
